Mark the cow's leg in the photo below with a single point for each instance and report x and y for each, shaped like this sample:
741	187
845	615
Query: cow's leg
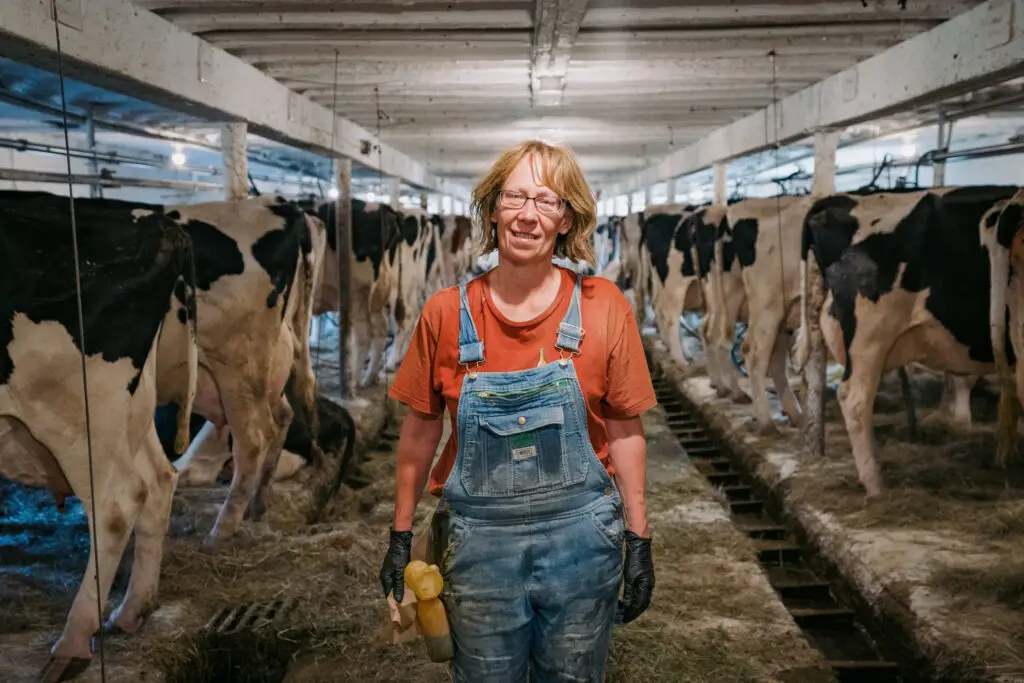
248	417
283	415
730	373
710	353
857	400
119	494
777	368
378	332
150	531
398	346
759	348
666	313
359	339
205	457
956	399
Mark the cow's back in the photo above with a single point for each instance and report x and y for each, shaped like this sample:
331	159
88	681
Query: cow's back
925	243
130	258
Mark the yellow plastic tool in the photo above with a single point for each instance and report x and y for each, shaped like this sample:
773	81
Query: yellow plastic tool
425	581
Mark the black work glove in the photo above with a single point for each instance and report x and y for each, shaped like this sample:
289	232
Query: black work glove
392	572
637	578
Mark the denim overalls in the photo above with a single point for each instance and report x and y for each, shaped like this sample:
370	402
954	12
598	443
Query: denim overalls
528	531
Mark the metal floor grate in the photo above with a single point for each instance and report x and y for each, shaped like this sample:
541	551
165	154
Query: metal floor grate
251	616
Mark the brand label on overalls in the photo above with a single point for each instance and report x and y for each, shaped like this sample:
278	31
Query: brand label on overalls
524	453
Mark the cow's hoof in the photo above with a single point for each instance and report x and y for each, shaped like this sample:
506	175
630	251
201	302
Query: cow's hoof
768	430
741	399
256	510
214	542
63	669
722	392
127	622
873	490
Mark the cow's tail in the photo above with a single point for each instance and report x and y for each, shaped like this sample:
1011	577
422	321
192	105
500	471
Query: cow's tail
802	348
1009	402
810	342
308	276
187	392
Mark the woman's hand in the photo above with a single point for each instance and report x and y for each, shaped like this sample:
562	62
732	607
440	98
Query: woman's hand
637	578
417	445
627	449
392	572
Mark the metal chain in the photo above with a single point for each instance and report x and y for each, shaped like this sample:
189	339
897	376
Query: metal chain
778	198
81	336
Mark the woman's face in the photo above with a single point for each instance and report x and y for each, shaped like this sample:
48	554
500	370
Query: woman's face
527	234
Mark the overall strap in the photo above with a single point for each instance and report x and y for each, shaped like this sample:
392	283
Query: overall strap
471	349
570	330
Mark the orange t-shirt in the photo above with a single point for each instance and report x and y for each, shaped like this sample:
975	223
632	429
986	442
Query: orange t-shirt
612	368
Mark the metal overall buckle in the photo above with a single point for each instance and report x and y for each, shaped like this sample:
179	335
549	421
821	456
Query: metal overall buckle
472	372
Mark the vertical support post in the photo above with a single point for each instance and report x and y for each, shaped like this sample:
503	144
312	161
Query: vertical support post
90	140
423	200
395	193
670	191
233	149
719	196
343	226
629	203
945	135
648	193
814	371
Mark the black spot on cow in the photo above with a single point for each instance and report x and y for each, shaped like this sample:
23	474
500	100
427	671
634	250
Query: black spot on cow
1010	221
938	245
410	229
217	254
278	251
703	235
438	222
657	232
682	244
828	229
744	241
130	264
374	232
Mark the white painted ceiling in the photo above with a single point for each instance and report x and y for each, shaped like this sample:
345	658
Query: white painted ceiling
449	81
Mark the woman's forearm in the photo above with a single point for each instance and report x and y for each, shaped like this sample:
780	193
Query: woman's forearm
417	444
627	449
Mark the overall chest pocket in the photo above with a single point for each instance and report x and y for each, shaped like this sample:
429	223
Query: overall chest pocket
523	451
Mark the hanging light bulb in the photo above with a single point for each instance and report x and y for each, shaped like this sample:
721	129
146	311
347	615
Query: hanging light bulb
178	158
332	193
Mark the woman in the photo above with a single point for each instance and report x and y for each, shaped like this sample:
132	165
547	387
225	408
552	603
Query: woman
545	377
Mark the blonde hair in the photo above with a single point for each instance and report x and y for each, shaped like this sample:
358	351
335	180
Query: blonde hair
559	171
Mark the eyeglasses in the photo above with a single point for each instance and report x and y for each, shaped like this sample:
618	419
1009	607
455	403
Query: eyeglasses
517	200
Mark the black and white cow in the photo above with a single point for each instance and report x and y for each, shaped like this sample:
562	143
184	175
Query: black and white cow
721	286
139	350
764	234
258	264
1002	232
907	279
375	237
409	289
666	274
606	247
